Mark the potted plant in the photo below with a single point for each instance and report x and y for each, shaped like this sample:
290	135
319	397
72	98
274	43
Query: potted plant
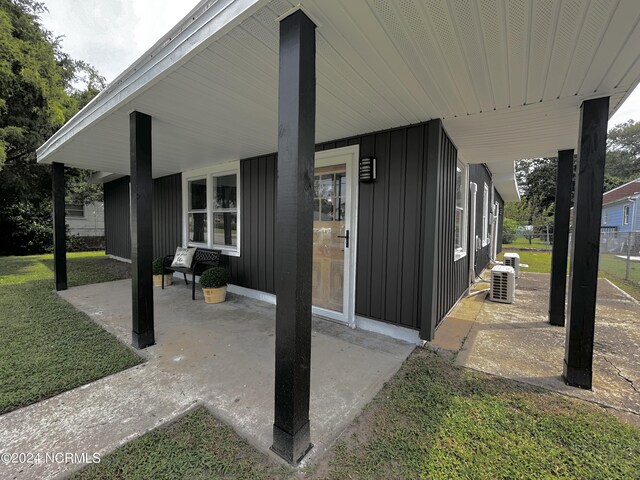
214	283
158	270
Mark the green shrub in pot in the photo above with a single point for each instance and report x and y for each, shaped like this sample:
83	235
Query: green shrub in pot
214	283
157	270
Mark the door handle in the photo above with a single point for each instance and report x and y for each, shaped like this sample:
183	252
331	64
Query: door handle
346	238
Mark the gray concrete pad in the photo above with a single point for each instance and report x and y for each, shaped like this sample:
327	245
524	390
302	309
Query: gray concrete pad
219	355
517	342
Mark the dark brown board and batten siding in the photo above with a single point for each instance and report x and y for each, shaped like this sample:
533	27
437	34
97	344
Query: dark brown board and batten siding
117	218
453	275
167	216
390	225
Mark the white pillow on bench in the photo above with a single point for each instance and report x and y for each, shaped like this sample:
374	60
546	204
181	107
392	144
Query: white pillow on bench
183	257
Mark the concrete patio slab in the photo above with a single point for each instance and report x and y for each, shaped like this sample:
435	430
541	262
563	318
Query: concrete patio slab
219	355
517	342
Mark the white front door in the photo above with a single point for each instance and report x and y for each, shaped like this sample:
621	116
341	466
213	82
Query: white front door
334	233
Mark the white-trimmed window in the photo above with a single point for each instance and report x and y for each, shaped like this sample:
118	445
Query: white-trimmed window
605	217
74	210
211	202
460	229
625	214
197	231
485	216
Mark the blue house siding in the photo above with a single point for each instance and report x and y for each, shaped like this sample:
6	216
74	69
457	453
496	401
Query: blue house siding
613	216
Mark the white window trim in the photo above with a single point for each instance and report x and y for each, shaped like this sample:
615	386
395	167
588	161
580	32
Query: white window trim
75	217
231	168
605	217
461	251
626	214
485	216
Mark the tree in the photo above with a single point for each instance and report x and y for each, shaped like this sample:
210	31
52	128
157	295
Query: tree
41	87
623	152
537	181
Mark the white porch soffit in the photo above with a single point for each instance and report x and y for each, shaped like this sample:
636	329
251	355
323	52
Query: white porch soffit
507	77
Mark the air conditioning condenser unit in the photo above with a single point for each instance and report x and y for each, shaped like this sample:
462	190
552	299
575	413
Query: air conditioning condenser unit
503	284
513	260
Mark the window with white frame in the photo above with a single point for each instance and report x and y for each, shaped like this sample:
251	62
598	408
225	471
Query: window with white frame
197	231
460	232
212	208
485	216
605	217
224	209
625	214
74	210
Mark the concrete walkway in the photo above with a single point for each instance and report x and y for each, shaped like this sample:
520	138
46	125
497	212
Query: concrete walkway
516	341
219	355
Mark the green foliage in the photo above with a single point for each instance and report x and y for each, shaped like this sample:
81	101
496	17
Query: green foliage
28	228
215	277
509	230
41	87
537	179
157	265
623	152
79	189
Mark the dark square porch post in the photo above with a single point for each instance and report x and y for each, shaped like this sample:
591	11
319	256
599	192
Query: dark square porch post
564	184
431	230
141	230
294	235
583	281
59	227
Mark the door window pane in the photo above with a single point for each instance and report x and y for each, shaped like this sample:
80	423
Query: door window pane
198	227
198	194
225	229
328	232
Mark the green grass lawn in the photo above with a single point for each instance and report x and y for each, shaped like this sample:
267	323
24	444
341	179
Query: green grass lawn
610	267
47	345
432	420
522	243
196	446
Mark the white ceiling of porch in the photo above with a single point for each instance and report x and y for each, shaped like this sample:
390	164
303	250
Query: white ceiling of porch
507	77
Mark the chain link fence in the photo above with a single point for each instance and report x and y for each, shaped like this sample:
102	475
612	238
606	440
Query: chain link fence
620	255
619	251
525	238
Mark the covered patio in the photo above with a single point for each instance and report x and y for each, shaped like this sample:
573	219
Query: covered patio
240	79
217	355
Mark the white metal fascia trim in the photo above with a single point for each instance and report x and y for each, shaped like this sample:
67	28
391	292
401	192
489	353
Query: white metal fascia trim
192	35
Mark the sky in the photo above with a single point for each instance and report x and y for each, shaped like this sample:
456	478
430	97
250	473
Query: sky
112	34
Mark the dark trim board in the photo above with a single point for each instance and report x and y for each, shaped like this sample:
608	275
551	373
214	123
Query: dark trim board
392	213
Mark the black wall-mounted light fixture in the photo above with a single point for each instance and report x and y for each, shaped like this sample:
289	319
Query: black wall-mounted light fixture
367	169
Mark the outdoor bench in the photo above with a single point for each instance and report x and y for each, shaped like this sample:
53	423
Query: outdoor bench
203	259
